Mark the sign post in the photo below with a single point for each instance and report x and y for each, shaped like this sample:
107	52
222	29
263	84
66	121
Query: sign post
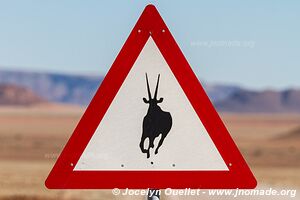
150	125
153	194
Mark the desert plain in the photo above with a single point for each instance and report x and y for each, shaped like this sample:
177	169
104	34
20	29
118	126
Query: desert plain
31	139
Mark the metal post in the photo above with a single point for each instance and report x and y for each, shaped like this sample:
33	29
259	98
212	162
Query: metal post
153	194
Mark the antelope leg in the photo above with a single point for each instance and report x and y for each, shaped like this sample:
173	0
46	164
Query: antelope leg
148	152
160	143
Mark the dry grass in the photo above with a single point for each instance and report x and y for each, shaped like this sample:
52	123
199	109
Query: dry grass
31	138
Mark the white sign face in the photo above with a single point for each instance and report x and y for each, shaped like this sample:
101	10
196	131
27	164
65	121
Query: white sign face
115	145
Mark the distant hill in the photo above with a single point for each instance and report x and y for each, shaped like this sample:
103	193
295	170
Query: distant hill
265	101
16	95
79	89
61	88
218	92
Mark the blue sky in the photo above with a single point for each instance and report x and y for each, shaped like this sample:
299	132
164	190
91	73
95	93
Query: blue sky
255	44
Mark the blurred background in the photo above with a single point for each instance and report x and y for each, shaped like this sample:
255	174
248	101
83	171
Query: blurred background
54	55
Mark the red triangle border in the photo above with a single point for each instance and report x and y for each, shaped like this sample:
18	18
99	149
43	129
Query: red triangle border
62	175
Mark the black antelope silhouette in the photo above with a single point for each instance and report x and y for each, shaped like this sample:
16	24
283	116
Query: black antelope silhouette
156	122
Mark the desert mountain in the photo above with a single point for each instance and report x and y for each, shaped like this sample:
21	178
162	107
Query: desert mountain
264	102
75	89
16	95
79	89
53	87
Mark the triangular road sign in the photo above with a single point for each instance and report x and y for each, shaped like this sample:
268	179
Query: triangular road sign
150	125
